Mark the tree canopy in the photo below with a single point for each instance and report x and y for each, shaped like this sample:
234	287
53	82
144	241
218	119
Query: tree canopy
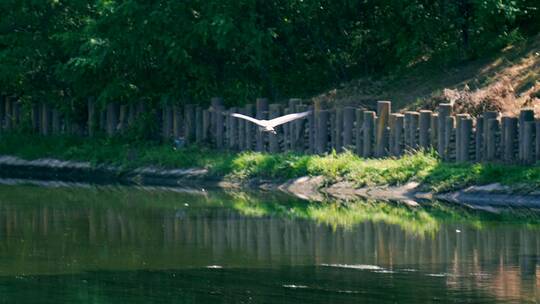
191	50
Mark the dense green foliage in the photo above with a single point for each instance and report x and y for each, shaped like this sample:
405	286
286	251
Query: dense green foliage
63	51
423	167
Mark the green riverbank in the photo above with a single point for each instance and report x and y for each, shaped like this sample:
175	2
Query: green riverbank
423	167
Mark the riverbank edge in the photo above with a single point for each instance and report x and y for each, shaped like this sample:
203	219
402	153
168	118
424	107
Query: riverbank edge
313	188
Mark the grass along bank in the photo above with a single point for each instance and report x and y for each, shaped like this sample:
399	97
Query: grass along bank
423	167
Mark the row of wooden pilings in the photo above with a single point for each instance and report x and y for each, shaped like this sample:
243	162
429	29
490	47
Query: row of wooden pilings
380	133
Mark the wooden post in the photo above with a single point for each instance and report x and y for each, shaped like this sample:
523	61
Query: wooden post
445	110
311	130
415	117
300	144
123	118
383	116
466	137
348	126
232	129
359	129
491	139
8	114
369	124
449	143
509	138
434	132
407	123
398	134
459	133
219	112
250	128
16	107
56	125
487	116
206	125
199	136
273	139
35	118
177	121
112	118
424	128
132	113
45	119
262	107
2	111
339	129
216	104
528	144
322	131
537	141
332	129
241	130
391	134
524	116
479	138
293	127
463	135
189	123
92	119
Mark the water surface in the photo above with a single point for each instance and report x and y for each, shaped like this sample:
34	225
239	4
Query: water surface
88	244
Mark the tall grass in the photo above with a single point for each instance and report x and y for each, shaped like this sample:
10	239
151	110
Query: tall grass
423	166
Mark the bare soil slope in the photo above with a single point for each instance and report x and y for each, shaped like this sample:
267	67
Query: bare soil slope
506	82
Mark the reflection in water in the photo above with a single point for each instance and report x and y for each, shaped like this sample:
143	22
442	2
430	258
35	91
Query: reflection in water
212	247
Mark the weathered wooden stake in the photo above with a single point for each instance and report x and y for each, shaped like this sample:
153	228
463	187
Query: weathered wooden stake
177	121
369	124
528	142
8	123
509	138
491	138
348	126
479	138
434	130
123	118
112	118
449	132
524	116
216	104
36	115
339	130
445	110
250	128
275	111
487	116
415	117
56	124
359	125
206	125
311	130
92	119
45	119
219	112
189	122
262	107
2	111
383	116
398	134
424	128
293	127
199	135
322	131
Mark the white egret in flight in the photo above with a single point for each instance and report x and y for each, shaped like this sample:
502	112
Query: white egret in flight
269	125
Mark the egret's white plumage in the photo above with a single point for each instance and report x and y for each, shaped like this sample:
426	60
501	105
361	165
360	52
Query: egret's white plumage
269	125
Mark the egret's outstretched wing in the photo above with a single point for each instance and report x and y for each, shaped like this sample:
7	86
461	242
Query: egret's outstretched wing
286	118
253	120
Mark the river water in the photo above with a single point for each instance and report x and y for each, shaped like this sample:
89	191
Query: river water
85	244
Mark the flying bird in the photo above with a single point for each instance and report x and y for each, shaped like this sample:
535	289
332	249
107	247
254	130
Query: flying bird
269	125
